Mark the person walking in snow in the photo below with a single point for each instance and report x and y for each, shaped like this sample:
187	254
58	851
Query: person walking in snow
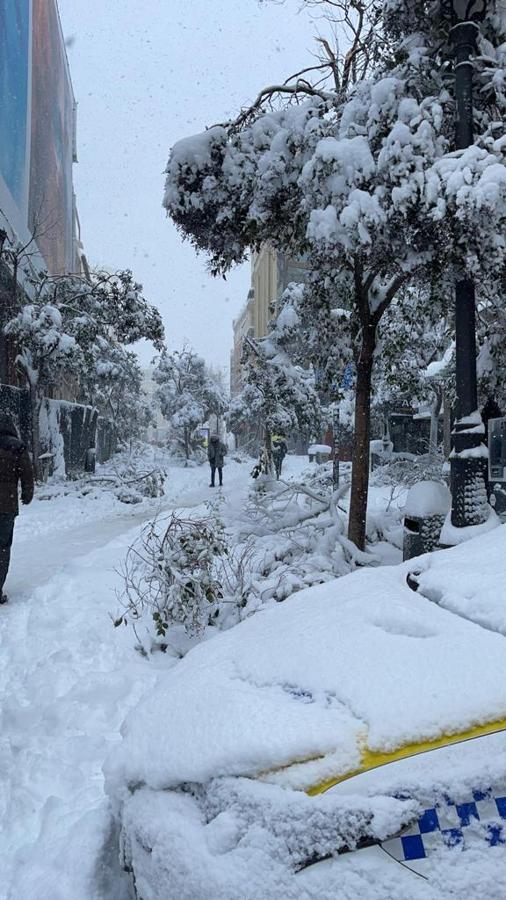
279	451
215	454
15	468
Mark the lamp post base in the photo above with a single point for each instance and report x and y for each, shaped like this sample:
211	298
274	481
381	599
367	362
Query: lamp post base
469	490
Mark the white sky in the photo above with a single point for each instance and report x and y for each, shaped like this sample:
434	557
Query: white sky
146	73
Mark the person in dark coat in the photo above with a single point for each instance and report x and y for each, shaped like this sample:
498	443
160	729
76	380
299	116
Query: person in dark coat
15	468
216	454
279	451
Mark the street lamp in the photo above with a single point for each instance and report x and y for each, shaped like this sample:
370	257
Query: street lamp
468	464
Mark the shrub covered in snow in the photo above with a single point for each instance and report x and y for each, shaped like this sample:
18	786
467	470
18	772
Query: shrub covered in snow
186	576
134	486
408	470
181	572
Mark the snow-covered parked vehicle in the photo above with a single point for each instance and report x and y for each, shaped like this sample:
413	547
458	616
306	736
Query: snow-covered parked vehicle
350	742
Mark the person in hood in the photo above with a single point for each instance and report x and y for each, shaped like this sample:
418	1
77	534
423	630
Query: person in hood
216	456
279	451
15	469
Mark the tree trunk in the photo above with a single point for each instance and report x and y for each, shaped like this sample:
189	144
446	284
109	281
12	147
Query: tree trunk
186	444
447	428
268	447
335	447
434	427
360	461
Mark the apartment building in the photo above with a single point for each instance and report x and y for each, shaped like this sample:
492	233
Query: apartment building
271	273
37	153
38	128
39	224
242	327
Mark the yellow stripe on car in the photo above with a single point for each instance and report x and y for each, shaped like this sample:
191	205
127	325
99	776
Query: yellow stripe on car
373	759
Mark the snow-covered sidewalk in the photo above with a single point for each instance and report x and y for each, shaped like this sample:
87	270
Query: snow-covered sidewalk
67	680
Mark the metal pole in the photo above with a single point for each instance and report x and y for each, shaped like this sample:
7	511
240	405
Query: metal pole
468	470
464	39
335	434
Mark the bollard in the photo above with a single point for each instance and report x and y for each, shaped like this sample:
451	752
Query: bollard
427	506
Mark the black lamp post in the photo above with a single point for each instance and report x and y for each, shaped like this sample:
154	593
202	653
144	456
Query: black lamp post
468	470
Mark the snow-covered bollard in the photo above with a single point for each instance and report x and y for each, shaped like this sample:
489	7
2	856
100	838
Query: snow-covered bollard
427	506
319	453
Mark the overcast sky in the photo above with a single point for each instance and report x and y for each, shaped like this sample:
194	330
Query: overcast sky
146	73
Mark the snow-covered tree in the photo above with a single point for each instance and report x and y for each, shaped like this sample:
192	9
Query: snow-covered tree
119	395
78	329
491	335
46	351
110	305
111	314
187	394
415	357
363	177
279	392
104	313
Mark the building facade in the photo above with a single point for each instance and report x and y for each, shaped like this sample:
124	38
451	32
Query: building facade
38	215
38	128
271	273
39	224
242	327
264	286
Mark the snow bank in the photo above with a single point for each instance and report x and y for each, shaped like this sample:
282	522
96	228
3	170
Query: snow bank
470	580
360	660
452	536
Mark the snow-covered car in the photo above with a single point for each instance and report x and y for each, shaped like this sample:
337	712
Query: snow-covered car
349	742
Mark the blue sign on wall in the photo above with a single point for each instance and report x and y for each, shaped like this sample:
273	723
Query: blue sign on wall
14	72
